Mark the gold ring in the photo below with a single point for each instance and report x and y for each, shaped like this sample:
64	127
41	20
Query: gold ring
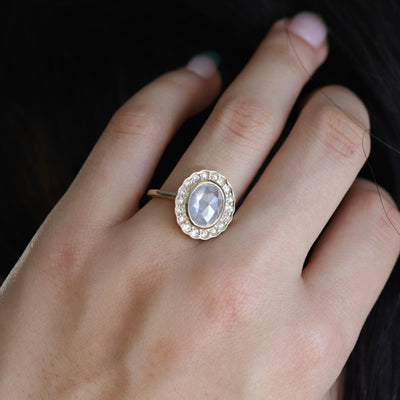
204	204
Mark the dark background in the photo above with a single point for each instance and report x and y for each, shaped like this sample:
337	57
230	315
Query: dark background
66	66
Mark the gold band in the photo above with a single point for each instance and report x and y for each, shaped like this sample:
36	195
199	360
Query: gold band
161	193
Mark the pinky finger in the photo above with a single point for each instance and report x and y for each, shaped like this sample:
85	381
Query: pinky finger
353	260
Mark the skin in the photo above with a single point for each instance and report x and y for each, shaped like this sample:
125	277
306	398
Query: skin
112	301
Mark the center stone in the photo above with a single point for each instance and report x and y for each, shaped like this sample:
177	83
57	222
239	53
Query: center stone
206	204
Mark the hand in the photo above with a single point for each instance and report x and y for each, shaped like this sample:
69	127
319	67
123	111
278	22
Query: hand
114	302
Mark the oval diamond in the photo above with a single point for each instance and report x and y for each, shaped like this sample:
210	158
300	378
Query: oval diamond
206	204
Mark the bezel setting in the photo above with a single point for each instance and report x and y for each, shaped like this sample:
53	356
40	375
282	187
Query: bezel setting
182	199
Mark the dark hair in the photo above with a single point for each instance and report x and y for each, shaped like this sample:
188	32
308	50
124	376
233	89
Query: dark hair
66	66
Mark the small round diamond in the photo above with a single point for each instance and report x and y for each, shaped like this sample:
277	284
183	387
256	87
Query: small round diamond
221	181
221	226
187	228
227	188
204	175
194	233
214	176
203	234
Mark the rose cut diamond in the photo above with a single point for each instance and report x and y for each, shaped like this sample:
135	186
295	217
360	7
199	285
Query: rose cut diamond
206	204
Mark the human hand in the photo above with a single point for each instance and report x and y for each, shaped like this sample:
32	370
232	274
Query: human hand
111	301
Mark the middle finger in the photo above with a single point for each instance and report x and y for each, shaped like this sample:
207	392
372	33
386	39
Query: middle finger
251	114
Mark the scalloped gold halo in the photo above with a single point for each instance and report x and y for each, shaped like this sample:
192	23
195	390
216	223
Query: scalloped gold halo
182	199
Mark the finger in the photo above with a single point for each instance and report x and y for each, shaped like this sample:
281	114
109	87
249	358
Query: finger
118	170
310	174
353	259
250	115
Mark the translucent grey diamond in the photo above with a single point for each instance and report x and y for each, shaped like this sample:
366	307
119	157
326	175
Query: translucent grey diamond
206	204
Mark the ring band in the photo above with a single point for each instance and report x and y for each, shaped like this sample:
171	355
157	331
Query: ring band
204	204
161	193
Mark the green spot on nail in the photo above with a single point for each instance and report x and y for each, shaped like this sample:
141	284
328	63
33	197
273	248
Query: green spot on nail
213	55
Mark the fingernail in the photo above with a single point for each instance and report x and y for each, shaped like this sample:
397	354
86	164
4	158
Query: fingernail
204	64
310	27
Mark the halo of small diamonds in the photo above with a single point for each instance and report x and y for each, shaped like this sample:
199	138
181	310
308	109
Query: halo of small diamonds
182	199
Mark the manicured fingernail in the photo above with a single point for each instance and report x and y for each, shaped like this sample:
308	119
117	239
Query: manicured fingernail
204	64
310	27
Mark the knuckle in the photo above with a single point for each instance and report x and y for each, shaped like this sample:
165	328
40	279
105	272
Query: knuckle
242	121
316	342
343	135
382	213
62	265
135	121
339	134
66	252
230	302
65	260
